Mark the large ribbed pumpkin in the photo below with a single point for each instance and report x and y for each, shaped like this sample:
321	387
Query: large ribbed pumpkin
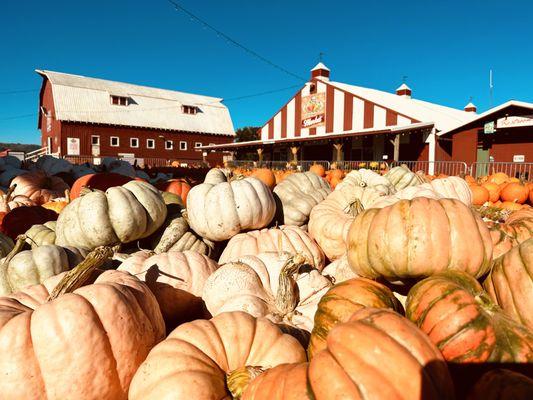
177	279
367	178
453	187
101	181
41	234
330	219
341	301
401	177
201	359
286	238
122	214
510	283
377	354
419	237
38	186
464	323
82	345
298	193
218	211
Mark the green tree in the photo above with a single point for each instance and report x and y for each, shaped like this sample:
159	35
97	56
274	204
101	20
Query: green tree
247	134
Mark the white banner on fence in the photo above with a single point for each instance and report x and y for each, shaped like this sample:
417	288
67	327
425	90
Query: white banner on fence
514	122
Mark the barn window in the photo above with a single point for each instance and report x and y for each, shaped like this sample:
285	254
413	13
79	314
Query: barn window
183	145
115	141
95	140
150	143
134	142
312	88
119	100
169	144
197	144
189	109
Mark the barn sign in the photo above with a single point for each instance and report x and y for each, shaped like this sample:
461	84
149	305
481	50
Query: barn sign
514	122
313	110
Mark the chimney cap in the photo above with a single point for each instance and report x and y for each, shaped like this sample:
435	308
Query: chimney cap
319	66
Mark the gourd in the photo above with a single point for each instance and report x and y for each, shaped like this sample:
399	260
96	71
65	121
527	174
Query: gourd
41	234
417	238
285	238
298	193
213	359
276	285
120	215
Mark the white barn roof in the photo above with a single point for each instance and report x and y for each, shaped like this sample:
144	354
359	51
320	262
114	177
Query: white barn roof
82	99
443	117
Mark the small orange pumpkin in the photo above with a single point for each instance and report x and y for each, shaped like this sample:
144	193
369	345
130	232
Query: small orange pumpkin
494	191
499	178
515	192
480	195
266	176
318	169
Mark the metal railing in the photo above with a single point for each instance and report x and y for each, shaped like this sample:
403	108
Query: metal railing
521	170
351	165
150	162
299	165
435	167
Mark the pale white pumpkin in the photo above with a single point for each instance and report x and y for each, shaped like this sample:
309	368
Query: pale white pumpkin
298	194
409	193
6	245
453	187
221	210
339	270
402	177
40	235
367	178
285	238
330	220
278	286
120	215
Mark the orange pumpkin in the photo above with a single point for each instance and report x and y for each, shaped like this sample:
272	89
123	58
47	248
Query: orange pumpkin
318	169
515	192
480	195
470	179
266	176
336	173
494	191
498	178
102	181
335	181
510	205
177	186
352	366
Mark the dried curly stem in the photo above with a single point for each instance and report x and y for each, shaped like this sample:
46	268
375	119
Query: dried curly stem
237	381
19	245
77	276
354	208
287	294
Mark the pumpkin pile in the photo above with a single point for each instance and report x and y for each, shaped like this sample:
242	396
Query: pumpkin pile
261	284
501	191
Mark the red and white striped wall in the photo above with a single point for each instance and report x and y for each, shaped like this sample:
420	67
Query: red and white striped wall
345	112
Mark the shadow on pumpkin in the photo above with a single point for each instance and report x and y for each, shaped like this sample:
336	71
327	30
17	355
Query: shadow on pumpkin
177	305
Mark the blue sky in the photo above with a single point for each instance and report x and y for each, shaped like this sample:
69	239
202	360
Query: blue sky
445	48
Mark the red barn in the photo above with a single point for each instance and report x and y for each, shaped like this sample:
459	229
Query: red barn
84	119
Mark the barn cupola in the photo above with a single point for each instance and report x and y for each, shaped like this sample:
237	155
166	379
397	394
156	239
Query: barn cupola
320	71
470	107
404	91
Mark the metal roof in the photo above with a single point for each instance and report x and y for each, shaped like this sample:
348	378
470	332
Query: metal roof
83	99
444	117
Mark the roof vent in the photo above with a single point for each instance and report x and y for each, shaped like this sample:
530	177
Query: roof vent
320	71
404	91
470	107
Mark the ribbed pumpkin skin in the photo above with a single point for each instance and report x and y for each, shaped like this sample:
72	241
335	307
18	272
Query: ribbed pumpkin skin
377	354
82	345
502	384
286	238
401	177
417	238
192	362
298	194
39	187
177	280
341	301
330	219
179	187
6	245
510	283
102	181
462	321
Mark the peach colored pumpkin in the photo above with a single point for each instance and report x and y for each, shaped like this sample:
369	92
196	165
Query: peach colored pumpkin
177	279
82	345
39	187
515	192
266	176
285	238
198	358
419	237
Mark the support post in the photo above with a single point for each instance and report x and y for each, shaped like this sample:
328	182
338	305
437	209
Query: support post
260	155
338	151
396	143
432	139
294	151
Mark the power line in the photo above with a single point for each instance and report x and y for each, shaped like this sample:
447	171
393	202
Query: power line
18	117
219	33
19	91
262	93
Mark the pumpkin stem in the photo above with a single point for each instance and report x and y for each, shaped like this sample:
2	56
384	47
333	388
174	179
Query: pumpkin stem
287	294
67	195
7	197
77	276
354	208
19	245
238	380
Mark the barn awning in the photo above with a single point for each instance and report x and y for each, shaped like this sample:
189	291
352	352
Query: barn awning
393	130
